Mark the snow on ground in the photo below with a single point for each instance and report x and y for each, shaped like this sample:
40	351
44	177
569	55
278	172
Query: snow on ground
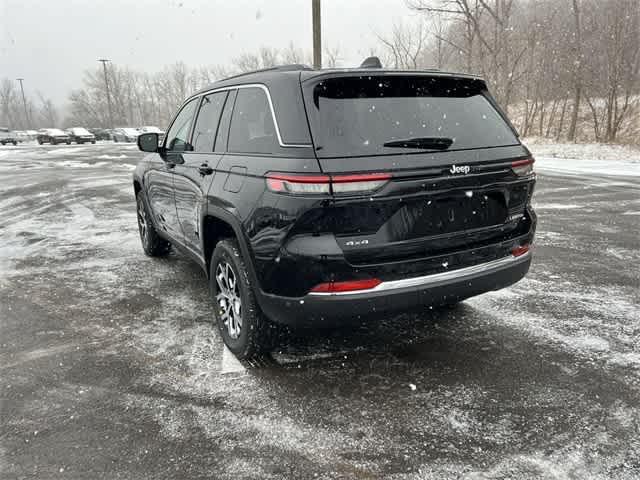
540	380
589	158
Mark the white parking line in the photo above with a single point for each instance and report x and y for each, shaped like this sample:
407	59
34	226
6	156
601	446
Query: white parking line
229	363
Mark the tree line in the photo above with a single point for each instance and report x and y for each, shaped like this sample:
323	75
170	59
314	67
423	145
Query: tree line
563	69
25	115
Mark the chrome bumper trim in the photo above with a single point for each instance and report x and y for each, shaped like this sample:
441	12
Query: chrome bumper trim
426	280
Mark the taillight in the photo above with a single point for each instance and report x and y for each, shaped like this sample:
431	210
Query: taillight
348	286
325	184
298	184
522	167
520	250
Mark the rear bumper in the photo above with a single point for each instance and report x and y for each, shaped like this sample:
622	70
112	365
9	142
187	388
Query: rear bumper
317	310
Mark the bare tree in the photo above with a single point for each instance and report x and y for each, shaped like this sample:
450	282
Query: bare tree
332	56
8	103
48	112
577	69
405	45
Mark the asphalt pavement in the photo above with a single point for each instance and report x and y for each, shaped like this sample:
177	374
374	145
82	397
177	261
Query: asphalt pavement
110	365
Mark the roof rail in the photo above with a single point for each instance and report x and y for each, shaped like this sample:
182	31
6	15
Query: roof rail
278	68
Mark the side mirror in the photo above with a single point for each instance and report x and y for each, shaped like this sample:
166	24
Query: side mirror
148	142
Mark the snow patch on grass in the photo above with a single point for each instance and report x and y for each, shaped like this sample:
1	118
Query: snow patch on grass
111	157
556	206
593	151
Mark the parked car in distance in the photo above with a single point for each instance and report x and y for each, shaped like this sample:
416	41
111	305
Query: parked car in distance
32	134
101	133
8	136
151	129
315	197
81	135
125	135
53	136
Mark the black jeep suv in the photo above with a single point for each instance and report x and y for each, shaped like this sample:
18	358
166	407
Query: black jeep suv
311	197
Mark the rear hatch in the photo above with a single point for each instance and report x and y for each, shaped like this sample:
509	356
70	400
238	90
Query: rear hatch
421	165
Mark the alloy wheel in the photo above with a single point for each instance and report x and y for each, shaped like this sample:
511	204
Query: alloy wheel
228	298
142	222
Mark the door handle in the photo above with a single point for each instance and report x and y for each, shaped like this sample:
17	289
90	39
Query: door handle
205	169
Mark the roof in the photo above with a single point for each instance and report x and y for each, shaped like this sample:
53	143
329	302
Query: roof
304	72
290	109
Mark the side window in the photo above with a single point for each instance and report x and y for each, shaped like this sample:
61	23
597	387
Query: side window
252	129
178	134
206	127
223	129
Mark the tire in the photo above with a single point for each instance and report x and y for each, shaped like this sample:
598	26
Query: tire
152	244
15	144
115	139
253	335
53	142
68	142
93	142
39	142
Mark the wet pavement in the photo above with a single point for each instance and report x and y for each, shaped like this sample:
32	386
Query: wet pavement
110	366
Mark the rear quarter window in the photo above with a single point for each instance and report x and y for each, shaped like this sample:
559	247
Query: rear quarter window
252	128
356	116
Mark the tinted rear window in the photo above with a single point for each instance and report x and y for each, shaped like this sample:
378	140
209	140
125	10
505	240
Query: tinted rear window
353	116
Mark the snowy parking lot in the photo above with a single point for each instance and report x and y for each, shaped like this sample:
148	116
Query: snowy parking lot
110	366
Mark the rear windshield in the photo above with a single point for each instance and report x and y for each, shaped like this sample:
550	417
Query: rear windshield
355	116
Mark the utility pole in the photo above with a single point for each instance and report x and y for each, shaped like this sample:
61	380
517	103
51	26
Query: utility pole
106	84
317	34
24	102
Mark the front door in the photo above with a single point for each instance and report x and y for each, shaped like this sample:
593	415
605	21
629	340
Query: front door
193	177
176	145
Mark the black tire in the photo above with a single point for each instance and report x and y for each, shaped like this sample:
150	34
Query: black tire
39	142
93	142
256	333
15	144
152	244
115	139
53	142
68	142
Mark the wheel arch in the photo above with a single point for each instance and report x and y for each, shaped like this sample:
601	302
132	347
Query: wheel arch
217	224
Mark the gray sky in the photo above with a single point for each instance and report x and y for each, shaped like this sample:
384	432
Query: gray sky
51	42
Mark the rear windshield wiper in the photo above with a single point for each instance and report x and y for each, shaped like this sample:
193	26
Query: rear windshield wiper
435	143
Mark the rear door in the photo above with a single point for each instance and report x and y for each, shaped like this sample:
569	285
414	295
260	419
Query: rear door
193	177
445	146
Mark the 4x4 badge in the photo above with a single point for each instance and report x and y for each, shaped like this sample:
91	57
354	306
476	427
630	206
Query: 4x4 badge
460	169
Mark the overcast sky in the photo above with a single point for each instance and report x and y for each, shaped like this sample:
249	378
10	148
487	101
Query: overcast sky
51	42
